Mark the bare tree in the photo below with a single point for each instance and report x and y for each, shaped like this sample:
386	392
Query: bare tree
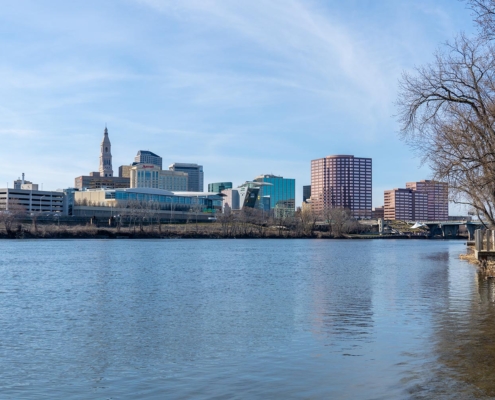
307	220
34	220
484	13
339	221
132	213
155	215
258	221
11	216
227	223
447	113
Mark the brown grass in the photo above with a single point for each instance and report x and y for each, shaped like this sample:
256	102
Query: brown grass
487	268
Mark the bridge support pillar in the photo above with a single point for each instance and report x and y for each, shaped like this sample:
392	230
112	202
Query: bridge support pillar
449	230
471	228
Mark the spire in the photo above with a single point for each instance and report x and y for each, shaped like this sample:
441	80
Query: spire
106	156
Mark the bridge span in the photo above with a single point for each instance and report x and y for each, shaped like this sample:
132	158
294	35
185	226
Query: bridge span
449	229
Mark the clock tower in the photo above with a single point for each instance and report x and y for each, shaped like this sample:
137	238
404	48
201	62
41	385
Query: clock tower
106	156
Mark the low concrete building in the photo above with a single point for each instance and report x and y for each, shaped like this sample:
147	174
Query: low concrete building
31	201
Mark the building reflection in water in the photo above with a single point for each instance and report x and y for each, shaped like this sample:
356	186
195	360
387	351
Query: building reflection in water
341	292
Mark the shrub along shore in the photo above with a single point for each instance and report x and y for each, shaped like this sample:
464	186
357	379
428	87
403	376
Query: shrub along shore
176	231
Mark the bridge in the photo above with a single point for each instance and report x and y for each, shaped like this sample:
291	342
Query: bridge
449	229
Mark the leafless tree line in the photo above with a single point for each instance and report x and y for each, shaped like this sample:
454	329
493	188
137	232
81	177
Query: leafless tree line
251	222
146	216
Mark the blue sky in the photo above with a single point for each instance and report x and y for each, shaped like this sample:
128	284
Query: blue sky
241	87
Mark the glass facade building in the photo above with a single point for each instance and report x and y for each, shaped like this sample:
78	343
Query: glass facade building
281	192
217	187
306	193
163	198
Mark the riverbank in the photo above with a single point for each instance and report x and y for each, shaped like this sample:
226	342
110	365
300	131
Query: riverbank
486	268
179	231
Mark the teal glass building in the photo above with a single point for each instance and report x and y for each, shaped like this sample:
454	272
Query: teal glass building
281	192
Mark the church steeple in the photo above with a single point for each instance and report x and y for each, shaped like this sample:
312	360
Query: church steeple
106	155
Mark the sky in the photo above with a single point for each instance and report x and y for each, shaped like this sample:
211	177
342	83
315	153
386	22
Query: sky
241	87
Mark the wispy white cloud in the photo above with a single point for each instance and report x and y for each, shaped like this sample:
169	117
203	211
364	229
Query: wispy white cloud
306	47
242	87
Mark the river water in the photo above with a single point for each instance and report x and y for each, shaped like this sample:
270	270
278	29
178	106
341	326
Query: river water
246	319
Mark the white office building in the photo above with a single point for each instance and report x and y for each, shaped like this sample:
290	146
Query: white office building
152	176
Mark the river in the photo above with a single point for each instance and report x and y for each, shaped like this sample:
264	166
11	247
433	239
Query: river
244	319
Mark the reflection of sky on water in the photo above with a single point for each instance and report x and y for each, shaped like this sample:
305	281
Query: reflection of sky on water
272	318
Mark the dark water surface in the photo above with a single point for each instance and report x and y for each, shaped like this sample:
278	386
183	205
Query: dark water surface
223	319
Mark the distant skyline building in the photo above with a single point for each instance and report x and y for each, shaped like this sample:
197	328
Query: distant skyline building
217	187
280	190
306	193
23	184
106	169
231	200
425	200
405	205
125	171
98	182
31	200
245	195
195	173
152	176
148	157
342	181
378	212
103	179
438	198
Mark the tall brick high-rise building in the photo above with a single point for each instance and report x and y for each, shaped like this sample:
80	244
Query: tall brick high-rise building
342	181
419	201
438	198
405	205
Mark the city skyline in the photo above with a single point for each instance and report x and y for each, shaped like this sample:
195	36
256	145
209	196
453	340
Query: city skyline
243	89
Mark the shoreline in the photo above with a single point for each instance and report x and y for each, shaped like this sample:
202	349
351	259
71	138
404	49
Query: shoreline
183	232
